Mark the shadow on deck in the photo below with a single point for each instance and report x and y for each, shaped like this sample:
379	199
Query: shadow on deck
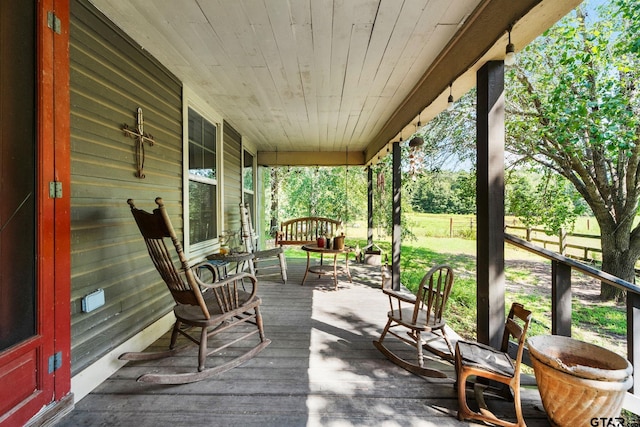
320	369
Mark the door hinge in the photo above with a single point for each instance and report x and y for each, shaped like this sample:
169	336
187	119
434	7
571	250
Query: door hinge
55	362
54	22
55	190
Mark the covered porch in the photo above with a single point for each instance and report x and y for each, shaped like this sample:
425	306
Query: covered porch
304	83
320	369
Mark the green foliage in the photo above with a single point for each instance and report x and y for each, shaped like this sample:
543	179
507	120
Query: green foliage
629	11
444	192
333	192
548	200
573	99
573	107
465	189
450	138
520	200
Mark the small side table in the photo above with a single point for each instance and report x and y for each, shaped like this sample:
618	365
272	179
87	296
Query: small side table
327	269
240	259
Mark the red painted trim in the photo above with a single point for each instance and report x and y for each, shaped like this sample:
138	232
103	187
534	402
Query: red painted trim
62	233
52	293
45	219
53	281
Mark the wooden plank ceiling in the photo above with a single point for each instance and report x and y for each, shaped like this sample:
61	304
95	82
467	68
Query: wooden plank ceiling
302	76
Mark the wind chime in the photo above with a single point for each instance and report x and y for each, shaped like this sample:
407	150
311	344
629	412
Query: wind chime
380	181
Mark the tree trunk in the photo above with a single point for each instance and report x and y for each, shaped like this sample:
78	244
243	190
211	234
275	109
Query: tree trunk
617	261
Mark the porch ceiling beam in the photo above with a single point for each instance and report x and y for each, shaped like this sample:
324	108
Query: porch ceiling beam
482	38
308	158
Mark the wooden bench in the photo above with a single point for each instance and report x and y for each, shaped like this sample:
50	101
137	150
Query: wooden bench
303	231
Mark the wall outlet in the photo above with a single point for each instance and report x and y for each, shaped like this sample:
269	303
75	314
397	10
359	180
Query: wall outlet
93	300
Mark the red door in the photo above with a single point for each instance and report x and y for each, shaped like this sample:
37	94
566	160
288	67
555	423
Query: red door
34	221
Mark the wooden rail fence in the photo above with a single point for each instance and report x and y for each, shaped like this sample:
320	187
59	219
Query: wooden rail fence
584	247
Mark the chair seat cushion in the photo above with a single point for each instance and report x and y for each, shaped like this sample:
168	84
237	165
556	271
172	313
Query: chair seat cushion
485	357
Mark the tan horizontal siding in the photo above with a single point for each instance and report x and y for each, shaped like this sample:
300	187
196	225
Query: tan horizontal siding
232	177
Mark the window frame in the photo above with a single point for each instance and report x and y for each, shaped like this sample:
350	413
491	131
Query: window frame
192	102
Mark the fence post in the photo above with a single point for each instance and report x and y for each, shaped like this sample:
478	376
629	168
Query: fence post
560	299
562	241
633	344
528	234
450	227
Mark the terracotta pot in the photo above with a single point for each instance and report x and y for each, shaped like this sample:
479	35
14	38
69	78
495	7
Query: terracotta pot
578	381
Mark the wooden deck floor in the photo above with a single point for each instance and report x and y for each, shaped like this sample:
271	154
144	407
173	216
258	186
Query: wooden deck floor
321	369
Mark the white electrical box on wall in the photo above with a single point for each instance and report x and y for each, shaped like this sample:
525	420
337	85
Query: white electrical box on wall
93	300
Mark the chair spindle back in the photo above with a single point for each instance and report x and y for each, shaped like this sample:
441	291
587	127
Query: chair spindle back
155	228
433	294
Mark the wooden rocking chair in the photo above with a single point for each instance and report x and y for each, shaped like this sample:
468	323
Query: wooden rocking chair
418	315
482	361
268	261
209	308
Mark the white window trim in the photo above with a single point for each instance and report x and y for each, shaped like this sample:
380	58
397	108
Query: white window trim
190	100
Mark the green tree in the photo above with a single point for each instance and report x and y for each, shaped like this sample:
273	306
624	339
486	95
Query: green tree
450	138
573	107
464	188
551	201
520	199
443	192
334	192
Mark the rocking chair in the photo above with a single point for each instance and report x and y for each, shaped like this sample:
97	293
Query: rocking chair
484	362
418	315
268	261
209	308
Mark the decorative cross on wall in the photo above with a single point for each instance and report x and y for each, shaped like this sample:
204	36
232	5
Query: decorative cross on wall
140	137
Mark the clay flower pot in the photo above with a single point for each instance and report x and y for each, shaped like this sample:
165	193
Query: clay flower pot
578	381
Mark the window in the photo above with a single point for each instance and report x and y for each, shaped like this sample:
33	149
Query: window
247	184
247	172
202	179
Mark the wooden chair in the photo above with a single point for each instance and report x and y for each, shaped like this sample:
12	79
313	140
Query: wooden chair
207	308
482	361
271	261
418	315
